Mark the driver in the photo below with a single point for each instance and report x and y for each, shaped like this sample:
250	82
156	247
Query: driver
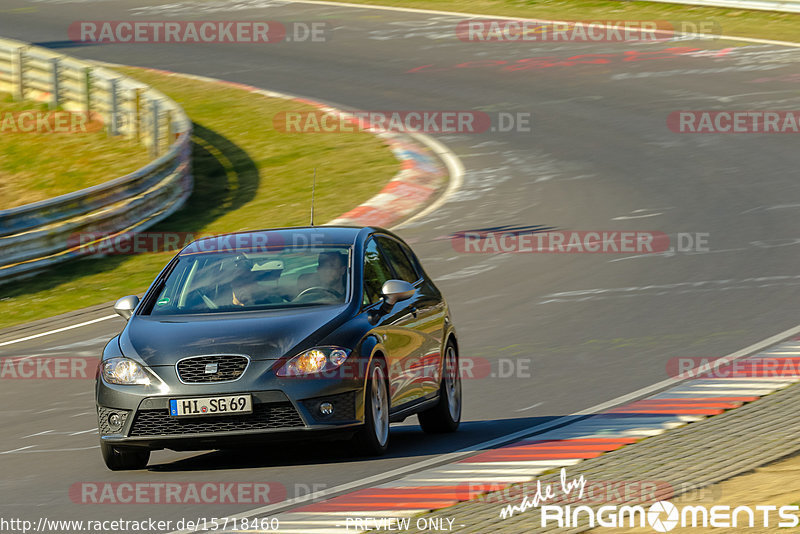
331	268
242	289
330	276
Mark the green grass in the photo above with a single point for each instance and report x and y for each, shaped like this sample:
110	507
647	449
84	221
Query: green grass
734	22
247	176
39	165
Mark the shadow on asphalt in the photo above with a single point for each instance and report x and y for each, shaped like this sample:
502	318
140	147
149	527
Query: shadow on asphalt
406	441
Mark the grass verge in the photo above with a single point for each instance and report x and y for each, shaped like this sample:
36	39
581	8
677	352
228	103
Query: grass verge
42	164
734	22
247	176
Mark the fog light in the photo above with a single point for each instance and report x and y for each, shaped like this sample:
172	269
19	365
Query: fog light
115	422
326	408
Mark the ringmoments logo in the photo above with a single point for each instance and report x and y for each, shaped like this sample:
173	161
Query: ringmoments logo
661	516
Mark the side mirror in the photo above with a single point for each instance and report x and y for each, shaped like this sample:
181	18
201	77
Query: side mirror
394	291
125	306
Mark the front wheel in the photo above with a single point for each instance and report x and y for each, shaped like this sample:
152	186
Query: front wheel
373	438
123	458
446	415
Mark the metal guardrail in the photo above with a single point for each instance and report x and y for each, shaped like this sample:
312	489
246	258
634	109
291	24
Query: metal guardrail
40	234
786	6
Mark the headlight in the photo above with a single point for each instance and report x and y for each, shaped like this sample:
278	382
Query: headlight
124	371
318	360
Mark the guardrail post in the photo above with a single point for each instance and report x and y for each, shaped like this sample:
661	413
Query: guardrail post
137	114
41	232
87	89
56	94
114	114
154	145
168	140
18	73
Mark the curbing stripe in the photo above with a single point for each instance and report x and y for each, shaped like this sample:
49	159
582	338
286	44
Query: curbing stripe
429	173
521	461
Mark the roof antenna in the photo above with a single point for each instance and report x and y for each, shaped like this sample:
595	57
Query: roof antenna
313	187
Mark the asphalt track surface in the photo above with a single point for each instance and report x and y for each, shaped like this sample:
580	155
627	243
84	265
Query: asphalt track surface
599	157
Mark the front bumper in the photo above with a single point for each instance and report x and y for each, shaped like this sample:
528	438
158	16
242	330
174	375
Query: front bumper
275	417
283	408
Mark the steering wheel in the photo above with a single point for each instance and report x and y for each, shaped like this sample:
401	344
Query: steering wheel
208	302
318	289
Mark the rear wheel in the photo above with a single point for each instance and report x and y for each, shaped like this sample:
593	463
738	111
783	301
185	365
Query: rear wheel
373	438
124	458
446	415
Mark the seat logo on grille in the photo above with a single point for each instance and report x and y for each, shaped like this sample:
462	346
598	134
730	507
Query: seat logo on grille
211	368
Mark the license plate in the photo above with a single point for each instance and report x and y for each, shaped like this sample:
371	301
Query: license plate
230	405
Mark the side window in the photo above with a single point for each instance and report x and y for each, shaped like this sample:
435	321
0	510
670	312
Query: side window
417	266
397	257
376	272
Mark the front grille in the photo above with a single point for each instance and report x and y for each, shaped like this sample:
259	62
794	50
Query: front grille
264	417
229	367
344	407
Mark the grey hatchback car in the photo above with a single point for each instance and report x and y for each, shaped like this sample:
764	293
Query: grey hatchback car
330	332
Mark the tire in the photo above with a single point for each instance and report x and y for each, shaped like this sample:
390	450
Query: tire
446	415
373	438
124	459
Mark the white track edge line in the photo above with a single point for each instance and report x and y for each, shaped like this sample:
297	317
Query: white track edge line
57	330
547	21
444	458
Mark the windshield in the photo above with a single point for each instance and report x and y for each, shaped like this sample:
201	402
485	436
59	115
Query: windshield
240	281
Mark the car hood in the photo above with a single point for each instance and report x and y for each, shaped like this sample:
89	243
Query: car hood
163	340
